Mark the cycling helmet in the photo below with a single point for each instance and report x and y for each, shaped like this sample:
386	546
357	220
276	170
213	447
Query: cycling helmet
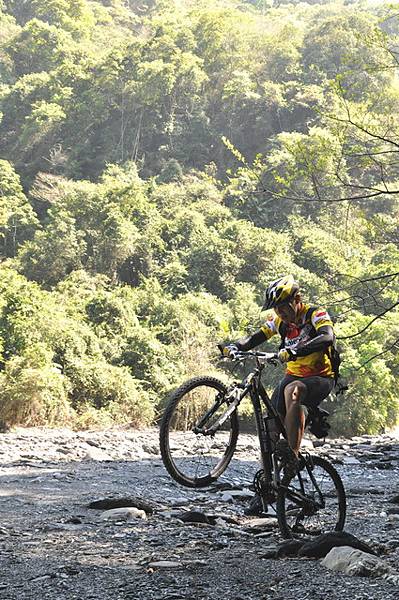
280	291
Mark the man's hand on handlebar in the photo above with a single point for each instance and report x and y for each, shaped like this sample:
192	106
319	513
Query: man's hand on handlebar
230	351
286	354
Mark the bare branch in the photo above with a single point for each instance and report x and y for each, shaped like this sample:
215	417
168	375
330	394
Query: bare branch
370	154
347	337
394	345
364	280
303	199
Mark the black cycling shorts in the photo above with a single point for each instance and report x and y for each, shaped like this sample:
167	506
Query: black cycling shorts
318	388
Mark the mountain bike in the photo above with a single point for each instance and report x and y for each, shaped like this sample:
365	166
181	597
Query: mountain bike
198	437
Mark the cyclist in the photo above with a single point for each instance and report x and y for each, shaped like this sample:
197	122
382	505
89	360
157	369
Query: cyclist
306	334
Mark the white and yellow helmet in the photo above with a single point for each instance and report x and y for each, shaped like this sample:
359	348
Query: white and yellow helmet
280	291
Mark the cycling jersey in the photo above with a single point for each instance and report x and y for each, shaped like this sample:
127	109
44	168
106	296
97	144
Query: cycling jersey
298	333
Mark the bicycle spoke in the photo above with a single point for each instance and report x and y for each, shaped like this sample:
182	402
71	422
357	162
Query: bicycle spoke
314	501
191	456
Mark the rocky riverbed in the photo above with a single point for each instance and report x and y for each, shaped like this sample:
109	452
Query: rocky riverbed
53	546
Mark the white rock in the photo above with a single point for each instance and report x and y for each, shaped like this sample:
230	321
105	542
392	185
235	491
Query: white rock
354	562
266	523
93	453
164	564
350	460
127	513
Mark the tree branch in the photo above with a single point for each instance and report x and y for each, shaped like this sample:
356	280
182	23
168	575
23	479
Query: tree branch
348	337
377	355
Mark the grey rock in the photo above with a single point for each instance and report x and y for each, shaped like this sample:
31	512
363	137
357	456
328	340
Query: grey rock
122	502
391	578
227	497
222	486
63	527
393	520
193	516
74	521
239	494
94	443
151	449
65	451
364	491
352	561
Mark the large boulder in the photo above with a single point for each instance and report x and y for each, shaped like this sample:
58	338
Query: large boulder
352	561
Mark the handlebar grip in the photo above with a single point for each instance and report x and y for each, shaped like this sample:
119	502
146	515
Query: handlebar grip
220	348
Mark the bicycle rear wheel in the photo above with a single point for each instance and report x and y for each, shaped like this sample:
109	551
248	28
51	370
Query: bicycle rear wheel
314	502
195	459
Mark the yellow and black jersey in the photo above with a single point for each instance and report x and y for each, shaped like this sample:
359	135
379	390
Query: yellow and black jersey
308	321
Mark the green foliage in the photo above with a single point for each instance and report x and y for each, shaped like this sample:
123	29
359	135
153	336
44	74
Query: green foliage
339	45
370	405
55	252
108	389
54	368
39	47
17	218
34	394
175	158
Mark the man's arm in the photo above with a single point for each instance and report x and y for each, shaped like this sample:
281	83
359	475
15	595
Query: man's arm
251	341
324	339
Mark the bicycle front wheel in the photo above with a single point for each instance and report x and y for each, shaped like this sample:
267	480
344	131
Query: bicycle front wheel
314	502
192	458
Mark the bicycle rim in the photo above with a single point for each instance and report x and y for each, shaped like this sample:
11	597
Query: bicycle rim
313	503
195	459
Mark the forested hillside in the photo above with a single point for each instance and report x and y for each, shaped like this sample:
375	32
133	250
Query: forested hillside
160	163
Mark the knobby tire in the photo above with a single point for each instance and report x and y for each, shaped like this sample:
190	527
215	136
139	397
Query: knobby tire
283	501
203	384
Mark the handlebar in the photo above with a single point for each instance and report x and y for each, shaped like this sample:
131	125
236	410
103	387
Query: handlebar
262	357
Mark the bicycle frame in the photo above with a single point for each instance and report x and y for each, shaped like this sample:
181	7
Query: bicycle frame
253	387
268	460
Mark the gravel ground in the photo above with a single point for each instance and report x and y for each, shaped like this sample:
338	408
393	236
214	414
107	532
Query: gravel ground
52	546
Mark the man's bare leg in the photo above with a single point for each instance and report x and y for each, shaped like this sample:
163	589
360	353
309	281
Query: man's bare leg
294	394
